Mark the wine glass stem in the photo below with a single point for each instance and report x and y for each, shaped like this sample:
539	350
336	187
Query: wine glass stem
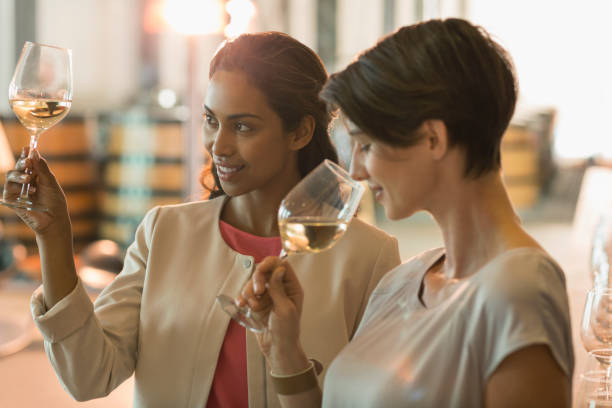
607	384
25	188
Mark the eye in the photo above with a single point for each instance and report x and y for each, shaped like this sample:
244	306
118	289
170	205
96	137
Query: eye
242	127
210	121
364	147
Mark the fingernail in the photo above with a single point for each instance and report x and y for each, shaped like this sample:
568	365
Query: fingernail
256	287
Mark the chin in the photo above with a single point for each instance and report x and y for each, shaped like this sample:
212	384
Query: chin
394	214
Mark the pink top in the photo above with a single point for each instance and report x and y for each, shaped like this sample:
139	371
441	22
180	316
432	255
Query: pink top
229	387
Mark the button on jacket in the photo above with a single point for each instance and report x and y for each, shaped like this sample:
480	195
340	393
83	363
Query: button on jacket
159	320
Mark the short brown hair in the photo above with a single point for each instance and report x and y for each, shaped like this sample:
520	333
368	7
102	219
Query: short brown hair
447	69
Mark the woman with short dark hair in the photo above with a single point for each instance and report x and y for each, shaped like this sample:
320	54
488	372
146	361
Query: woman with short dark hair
481	322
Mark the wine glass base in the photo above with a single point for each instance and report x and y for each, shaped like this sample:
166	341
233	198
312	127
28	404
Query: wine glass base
241	315
23	205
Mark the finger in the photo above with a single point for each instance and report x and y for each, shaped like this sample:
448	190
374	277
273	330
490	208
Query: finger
21	164
262	274
260	304
276	289
41	168
256	303
292	287
18	177
245	294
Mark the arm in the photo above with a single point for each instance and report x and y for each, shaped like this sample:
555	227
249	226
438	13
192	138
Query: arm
529	377
280	343
53	229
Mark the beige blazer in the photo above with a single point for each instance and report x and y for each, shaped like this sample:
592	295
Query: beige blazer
159	321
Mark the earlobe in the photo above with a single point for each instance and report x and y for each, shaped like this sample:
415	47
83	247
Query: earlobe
303	134
437	136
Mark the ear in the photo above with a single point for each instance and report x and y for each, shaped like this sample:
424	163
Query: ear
436	135
301	136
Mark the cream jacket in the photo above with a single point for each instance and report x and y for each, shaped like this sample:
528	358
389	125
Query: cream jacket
159	321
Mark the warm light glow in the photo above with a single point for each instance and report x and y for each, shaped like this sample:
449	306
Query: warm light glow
194	17
166	98
153	17
241	12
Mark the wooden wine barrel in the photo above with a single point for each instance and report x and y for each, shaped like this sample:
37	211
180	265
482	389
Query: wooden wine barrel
143	168
519	156
67	147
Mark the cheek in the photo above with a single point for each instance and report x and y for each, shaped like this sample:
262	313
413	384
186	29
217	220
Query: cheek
208	139
263	152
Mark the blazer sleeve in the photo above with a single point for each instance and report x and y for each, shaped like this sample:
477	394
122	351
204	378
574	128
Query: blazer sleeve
388	258
94	347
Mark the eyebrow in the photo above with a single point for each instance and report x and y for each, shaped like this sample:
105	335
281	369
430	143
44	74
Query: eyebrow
235	115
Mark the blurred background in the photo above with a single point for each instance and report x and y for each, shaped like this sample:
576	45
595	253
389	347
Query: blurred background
132	138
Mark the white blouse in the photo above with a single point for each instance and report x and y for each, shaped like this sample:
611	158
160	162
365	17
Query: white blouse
407	355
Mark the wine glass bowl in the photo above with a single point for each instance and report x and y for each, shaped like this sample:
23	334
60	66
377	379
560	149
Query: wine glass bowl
40	95
312	217
316	212
596	325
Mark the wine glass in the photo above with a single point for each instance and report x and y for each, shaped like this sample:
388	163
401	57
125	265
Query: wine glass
40	95
312	217
596	328
595	384
601	252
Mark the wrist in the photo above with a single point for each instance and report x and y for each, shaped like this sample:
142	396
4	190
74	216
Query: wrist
288	361
60	229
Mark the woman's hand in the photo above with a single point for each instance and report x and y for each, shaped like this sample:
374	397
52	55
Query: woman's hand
44	191
283	300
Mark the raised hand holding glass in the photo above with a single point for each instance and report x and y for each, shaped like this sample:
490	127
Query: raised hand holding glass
40	95
312	217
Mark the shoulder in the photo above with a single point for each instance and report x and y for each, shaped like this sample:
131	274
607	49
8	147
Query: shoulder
522	300
177	217
523	272
523	285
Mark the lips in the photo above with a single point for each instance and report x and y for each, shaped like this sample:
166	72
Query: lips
227	171
377	190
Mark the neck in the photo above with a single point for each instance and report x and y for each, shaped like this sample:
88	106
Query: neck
256	212
479	224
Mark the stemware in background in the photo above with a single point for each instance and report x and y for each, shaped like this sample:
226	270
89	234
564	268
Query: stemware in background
596	327
312	217
596	335
601	252
40	95
594	383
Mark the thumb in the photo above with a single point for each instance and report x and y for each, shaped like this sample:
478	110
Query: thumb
40	166
276	289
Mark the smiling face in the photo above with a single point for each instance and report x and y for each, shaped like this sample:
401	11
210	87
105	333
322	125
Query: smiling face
400	177
245	138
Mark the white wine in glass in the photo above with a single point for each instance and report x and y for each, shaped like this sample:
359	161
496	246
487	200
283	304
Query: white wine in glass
312	217
40	95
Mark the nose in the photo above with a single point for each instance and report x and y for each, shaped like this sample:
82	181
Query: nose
358	170
218	142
